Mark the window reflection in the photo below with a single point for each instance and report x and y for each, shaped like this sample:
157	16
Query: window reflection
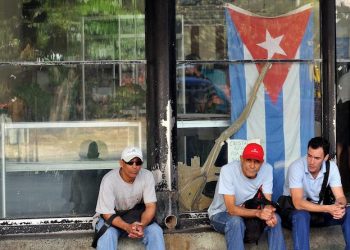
73	93
55	168
71	73
203	89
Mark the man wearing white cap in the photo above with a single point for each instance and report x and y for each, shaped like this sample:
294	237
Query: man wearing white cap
127	201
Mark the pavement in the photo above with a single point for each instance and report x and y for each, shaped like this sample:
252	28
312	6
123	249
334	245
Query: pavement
190	239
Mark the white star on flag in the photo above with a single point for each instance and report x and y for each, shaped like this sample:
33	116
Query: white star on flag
272	45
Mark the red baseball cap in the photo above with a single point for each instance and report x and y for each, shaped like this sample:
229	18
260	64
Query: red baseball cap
253	151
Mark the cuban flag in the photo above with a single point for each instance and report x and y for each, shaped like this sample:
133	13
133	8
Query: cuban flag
282	116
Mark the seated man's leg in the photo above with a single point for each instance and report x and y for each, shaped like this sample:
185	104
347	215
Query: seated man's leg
108	240
345	224
153	239
346	228
301	229
232	226
275	236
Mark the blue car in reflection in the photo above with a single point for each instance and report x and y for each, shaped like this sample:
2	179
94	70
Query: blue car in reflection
202	96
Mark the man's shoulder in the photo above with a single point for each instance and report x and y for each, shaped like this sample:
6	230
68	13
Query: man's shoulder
333	167
110	174
146	175
234	163
231	166
299	163
145	171
266	165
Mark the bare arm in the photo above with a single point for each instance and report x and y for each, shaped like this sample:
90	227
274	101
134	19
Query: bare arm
149	213
339	195
301	204
234	210
135	229
118	222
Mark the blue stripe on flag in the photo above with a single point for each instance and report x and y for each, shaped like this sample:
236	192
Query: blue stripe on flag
237	77
275	150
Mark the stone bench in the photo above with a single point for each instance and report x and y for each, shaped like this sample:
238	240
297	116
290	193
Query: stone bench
207	239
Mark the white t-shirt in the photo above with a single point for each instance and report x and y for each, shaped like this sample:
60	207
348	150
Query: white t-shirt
232	181
116	193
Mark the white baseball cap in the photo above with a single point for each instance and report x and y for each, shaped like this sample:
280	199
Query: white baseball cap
130	153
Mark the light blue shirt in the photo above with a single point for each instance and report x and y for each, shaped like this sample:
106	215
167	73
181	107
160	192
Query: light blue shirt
298	176
232	181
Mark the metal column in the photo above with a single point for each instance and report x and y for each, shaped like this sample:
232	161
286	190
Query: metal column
161	88
328	36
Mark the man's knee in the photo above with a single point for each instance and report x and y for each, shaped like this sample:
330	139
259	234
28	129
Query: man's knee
235	223
279	220
108	240
346	219
300	215
110	234
153	229
347	210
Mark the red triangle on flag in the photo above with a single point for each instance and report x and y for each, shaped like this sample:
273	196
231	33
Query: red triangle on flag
280	35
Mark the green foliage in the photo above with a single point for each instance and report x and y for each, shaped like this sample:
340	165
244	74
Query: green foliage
36	100
9	43
127	97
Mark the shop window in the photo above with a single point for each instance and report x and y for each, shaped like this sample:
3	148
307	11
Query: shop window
72	96
223	50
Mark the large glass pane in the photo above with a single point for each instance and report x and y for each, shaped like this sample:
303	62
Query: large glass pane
54	169
205	31
343	90
203	89
73	92
222	52
199	139
72	96
74	30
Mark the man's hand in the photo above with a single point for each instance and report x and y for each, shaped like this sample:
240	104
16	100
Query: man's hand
268	215
135	230
273	221
337	210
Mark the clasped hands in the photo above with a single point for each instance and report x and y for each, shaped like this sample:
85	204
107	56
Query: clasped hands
337	210
135	230
268	215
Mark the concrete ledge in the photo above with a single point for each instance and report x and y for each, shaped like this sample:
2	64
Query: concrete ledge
321	239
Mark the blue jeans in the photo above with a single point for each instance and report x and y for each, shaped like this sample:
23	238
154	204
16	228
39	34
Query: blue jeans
301	221
153	237
233	227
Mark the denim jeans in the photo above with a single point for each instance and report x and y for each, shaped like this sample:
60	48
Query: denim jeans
301	221
153	237
233	227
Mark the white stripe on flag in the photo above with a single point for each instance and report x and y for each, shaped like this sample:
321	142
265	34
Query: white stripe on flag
291	119
256	120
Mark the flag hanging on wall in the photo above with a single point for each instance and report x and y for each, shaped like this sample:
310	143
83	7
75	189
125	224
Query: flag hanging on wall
282	116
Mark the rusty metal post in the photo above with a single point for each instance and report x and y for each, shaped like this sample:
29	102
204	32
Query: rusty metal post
161	100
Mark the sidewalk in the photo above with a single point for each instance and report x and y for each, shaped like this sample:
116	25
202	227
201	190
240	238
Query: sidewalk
322	239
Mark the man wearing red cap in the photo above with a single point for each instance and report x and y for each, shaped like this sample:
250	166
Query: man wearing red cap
239	181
